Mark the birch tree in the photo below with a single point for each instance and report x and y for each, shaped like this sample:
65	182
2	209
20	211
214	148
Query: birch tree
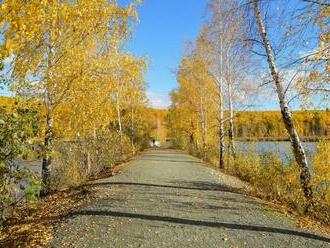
44	39
298	149
227	35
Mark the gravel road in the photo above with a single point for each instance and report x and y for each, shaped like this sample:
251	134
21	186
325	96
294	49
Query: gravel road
169	199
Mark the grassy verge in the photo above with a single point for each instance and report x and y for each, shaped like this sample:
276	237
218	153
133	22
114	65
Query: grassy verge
272	179
277	181
32	225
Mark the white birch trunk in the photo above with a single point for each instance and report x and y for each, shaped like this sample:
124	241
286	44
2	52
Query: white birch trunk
220	117
297	146
120	128
231	110
47	158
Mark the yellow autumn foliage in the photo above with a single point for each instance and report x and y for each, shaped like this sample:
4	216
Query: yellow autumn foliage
69	57
321	163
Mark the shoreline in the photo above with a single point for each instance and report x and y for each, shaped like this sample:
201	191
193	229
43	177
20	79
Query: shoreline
283	139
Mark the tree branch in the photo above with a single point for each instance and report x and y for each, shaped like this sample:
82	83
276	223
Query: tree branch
318	2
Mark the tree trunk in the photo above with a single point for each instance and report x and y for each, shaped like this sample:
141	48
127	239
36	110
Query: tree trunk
47	158
203	126
192	137
231	126
298	149
220	117
221	131
132	130
119	124
231	150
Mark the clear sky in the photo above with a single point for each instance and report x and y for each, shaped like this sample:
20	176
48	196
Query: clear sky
165	27
161	35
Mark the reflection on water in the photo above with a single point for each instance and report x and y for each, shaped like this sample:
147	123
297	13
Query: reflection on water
282	148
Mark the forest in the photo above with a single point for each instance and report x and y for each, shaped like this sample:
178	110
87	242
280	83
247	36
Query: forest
80	104
76	100
267	125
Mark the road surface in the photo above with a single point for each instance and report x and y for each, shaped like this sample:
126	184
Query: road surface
169	199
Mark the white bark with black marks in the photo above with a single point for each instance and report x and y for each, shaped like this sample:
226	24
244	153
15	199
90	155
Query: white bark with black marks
220	117
298	150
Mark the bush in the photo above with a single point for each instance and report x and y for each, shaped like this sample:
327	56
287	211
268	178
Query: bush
321	181
15	184
75	162
276	180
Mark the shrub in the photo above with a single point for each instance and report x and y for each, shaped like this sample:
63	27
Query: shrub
15	184
276	180
321	181
75	162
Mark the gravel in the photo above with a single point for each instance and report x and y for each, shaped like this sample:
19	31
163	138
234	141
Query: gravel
169	199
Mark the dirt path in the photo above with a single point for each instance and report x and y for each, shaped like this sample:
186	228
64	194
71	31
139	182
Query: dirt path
169	199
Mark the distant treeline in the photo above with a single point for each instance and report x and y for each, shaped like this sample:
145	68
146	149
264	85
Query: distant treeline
269	126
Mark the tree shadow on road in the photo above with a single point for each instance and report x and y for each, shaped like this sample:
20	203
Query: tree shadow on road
199	186
171	160
203	223
169	156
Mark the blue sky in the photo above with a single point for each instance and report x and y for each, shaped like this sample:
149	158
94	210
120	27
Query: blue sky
161	35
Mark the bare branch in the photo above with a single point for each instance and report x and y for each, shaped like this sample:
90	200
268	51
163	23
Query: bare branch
266	83
320	89
318	2
289	84
260	54
305	57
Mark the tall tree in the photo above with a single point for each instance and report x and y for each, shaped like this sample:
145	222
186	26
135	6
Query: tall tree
298	150
227	34
46	41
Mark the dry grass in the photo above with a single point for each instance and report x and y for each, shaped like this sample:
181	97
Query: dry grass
275	181
32	226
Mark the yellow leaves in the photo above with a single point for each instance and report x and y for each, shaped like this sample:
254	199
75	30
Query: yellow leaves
193	108
327	68
9	48
322	161
325	12
69	49
314	75
138	2
131	11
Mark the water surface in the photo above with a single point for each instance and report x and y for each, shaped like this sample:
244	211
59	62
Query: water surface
282	148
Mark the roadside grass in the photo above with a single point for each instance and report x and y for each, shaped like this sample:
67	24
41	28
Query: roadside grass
31	225
272	179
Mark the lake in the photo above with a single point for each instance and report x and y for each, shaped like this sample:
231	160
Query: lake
282	148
